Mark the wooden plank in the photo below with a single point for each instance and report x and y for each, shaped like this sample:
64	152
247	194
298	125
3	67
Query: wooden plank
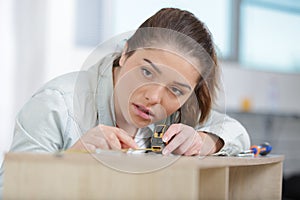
150	160
66	180
213	183
256	182
93	176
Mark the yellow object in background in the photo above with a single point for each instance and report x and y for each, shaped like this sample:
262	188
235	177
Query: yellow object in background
246	105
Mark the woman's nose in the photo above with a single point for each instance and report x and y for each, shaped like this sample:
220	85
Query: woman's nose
154	94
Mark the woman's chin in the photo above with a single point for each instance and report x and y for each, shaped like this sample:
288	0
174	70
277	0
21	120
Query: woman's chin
139	122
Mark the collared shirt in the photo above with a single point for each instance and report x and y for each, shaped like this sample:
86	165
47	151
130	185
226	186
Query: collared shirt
68	106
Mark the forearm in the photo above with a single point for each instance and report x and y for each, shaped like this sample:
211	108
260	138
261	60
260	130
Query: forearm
211	143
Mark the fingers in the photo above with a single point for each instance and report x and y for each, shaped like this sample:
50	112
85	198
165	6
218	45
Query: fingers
90	147
98	142
126	140
177	142
179	139
186	146
110	139
195	147
172	131
116	136
104	137
124	146
187	141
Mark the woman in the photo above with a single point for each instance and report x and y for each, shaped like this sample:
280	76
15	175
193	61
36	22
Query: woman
167	73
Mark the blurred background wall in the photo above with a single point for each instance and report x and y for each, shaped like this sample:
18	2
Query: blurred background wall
258	45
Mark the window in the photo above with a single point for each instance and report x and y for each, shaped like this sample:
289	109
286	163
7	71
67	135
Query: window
89	23
95	17
269	35
214	13
258	34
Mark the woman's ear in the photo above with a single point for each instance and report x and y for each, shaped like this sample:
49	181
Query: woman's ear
123	55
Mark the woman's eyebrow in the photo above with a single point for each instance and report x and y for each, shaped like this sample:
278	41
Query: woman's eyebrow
156	68
152	64
183	85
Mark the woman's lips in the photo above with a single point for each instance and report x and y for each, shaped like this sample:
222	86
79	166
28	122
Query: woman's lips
142	111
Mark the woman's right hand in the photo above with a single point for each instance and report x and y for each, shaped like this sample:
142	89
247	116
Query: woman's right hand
104	137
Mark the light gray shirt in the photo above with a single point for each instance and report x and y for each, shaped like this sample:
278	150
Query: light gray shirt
68	106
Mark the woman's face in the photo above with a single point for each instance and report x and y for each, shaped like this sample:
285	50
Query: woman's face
152	84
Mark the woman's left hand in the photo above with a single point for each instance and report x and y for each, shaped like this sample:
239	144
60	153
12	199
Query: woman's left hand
184	140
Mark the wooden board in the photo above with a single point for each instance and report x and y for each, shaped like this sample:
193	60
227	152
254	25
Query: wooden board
122	176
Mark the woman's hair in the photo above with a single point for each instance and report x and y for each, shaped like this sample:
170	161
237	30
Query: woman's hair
181	30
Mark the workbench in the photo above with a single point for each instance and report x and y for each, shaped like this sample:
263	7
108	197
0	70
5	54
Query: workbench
117	175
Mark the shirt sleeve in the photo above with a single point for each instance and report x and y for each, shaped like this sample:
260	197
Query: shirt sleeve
41	123
232	132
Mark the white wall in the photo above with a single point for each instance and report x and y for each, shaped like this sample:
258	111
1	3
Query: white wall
37	44
6	74
268	92
128	15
